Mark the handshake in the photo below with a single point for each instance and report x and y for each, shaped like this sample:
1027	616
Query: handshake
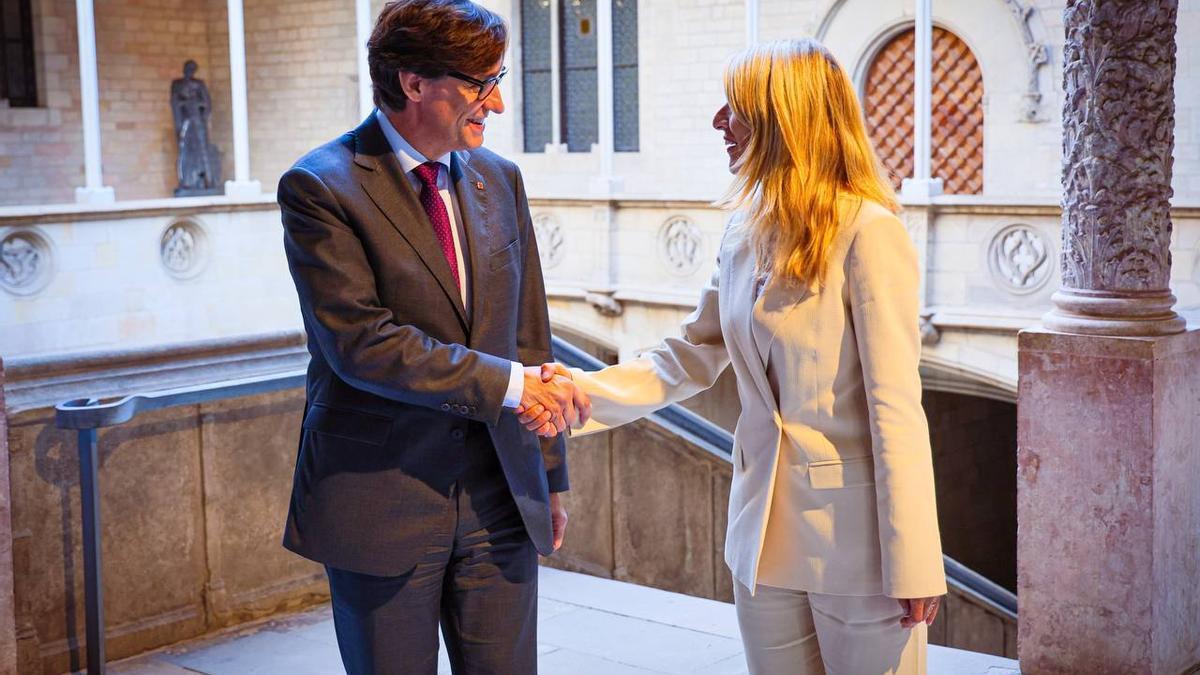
551	402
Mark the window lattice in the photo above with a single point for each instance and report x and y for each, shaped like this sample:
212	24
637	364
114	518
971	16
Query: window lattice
957	140
625	76
535	74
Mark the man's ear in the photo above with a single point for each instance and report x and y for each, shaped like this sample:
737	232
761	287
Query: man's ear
411	84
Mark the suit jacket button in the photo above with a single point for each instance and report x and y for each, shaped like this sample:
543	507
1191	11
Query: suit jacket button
446	407
458	434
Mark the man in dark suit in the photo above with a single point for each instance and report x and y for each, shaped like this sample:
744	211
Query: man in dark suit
413	254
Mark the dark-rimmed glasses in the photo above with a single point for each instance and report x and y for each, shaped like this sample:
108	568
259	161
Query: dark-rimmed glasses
486	87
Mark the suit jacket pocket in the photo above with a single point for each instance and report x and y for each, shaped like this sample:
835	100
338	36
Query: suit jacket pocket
505	256
354	425
841	473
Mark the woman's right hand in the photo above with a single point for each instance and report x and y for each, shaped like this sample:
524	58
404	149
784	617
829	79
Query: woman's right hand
532	418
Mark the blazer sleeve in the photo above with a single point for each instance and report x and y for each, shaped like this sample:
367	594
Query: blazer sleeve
674	370
358	336
533	331
883	282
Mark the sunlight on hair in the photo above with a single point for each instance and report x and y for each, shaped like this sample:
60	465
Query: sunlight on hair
808	159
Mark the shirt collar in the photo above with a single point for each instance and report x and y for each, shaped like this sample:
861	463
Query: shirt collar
409	157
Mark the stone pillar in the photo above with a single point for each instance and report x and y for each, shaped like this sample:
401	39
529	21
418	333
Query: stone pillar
362	31
1108	549
1118	135
8	628
921	186
241	185
751	22
94	191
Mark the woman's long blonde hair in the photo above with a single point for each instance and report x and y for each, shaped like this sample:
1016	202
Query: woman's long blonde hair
808	146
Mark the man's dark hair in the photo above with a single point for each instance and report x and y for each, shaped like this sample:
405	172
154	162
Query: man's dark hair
431	38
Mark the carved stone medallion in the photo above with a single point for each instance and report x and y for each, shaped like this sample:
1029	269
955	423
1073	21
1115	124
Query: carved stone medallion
183	249
1019	259
26	264
679	246
550	240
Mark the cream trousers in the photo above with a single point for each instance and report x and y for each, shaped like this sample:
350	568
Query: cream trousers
789	632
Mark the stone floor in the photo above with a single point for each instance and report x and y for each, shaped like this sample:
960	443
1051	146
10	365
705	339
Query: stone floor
586	626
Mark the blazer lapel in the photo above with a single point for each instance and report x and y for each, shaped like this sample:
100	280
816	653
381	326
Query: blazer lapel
472	194
739	279
385	184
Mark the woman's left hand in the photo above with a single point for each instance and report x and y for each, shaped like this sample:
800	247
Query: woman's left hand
918	610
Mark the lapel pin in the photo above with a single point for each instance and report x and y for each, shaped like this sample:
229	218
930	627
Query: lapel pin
478	185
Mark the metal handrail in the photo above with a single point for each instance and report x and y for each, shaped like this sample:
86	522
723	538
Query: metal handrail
88	416
983	590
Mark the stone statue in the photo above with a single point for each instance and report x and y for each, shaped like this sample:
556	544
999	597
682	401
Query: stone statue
199	164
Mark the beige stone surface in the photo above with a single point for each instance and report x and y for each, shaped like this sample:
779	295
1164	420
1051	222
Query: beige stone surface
152	532
249	447
663	512
588	546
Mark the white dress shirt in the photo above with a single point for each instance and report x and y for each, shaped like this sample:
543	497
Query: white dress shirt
410	159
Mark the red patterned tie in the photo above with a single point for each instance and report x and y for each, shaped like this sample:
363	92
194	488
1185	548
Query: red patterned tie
436	208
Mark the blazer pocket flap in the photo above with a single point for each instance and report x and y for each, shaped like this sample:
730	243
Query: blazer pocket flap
504	256
840	473
354	425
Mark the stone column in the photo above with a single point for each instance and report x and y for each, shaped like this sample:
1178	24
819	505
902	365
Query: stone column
241	186
751	22
1118	134
606	183
1108	550
8	627
362	32
94	191
921	186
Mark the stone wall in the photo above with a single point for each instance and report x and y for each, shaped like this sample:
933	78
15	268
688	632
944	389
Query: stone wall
192	502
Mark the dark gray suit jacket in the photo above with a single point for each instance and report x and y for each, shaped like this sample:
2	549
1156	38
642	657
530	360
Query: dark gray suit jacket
398	370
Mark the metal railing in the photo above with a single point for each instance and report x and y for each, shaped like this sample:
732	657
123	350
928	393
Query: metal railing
983	590
88	416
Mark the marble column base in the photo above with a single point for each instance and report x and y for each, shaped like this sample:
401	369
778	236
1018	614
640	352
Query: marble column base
1108	503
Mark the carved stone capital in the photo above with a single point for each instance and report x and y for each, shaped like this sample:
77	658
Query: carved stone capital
604	303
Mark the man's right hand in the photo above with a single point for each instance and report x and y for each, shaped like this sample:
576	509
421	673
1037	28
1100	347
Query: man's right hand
550	404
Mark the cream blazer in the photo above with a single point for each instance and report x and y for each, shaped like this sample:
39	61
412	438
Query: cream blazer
832	472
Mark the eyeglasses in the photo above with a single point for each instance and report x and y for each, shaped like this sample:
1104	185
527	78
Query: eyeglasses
486	87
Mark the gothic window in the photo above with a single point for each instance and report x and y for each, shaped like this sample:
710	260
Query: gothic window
17	82
957	138
560	78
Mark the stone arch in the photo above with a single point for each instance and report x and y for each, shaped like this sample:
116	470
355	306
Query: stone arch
956	377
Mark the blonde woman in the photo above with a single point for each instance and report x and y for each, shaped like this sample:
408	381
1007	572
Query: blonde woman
833	537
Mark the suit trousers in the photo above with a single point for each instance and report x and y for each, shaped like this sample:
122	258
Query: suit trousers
790	632
478	580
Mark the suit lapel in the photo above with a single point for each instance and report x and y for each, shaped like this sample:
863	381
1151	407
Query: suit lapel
385	184
740	281
472	193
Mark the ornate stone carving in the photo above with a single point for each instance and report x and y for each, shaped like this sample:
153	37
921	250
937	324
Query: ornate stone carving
1118	135
550	240
679	246
604	303
25	262
1019	259
183	249
1037	55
